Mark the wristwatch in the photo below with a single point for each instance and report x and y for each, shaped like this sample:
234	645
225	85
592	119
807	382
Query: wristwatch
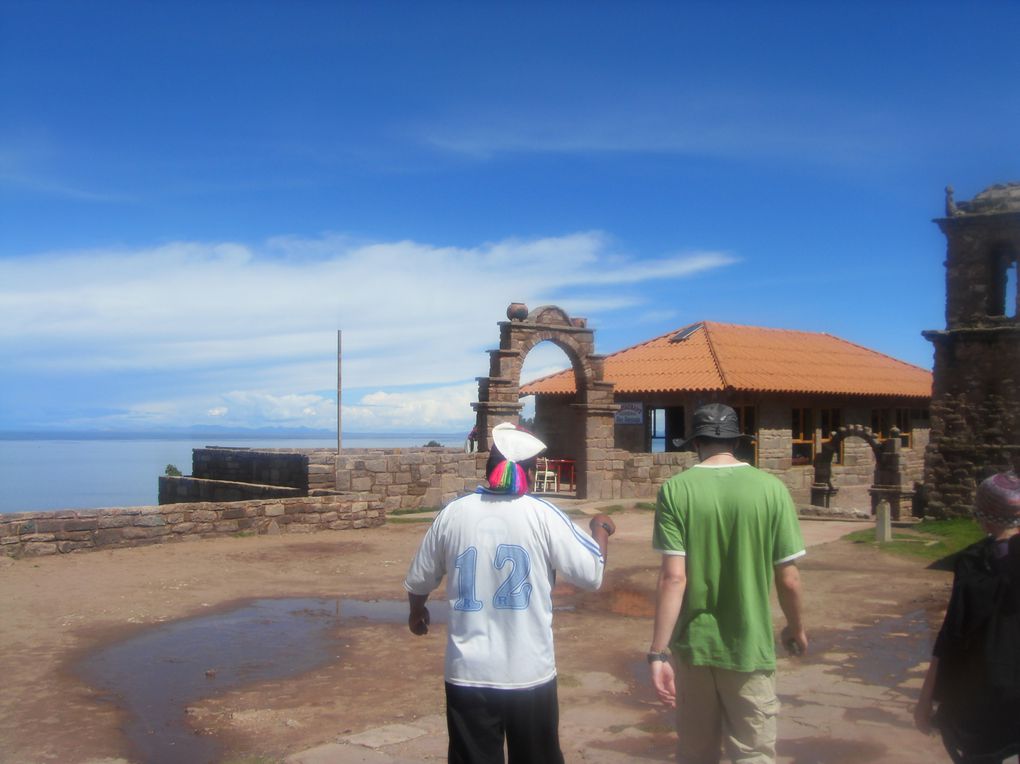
656	657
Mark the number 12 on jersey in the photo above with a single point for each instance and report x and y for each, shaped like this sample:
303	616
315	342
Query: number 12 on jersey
515	591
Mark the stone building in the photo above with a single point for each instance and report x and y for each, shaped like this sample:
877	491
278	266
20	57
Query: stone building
842	425
976	399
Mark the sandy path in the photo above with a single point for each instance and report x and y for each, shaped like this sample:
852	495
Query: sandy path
870	617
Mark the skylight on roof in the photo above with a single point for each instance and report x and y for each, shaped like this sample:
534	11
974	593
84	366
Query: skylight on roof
685	333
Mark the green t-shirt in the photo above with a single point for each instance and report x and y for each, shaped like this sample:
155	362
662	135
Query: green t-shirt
734	523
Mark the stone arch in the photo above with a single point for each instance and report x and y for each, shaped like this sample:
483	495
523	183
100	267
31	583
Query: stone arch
499	393
888	479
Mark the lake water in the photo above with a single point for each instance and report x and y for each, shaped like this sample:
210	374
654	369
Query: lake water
40	475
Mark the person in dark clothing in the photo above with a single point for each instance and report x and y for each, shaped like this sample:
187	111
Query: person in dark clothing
974	675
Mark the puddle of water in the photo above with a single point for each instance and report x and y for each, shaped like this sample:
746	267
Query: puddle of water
154	676
625	601
629	602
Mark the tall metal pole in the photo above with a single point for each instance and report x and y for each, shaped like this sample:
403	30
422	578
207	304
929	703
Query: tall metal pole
340	347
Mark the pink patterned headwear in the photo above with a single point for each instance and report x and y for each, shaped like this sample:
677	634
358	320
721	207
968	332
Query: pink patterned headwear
998	499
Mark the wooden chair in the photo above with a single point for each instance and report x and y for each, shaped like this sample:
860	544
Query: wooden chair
545	477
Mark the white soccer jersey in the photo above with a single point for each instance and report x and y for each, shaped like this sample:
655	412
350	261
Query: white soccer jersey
501	555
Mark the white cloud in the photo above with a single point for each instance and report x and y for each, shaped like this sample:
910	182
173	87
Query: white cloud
246	332
446	407
728	121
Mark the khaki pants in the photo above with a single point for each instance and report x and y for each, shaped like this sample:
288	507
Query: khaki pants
716	706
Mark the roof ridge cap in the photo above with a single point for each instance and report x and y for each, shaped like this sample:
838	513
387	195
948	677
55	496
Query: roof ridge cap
715	356
877	352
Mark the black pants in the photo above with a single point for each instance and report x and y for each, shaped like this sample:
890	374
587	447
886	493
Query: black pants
479	718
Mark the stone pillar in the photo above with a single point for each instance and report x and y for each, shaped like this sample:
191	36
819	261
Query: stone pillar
599	412
883	526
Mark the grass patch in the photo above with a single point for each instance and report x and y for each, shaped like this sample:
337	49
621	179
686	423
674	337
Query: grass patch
928	540
649	505
412	510
407	520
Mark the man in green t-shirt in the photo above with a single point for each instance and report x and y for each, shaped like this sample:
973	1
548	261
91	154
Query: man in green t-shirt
725	531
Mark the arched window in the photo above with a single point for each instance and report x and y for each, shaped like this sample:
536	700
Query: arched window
1002	292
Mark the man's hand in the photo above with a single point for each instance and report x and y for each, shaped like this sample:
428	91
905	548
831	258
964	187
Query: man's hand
602	527
794	640
664	681
602	521
418	619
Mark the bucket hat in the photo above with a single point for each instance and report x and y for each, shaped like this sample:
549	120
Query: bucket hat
714	420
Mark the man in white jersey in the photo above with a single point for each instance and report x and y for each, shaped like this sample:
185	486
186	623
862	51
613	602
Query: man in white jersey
501	550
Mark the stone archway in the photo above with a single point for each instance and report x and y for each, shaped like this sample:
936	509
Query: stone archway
888	479
499	393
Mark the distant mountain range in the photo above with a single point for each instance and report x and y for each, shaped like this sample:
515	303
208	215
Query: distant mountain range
211	431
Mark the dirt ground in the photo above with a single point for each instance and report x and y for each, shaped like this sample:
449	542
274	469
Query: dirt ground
380	699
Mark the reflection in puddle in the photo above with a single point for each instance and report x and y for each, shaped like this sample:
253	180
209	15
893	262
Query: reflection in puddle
630	602
156	675
627	601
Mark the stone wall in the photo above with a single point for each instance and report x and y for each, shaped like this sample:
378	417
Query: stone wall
403	478
410	479
636	476
304	469
46	533
182	490
975	415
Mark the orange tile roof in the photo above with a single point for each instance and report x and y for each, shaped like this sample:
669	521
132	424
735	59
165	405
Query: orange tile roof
711	356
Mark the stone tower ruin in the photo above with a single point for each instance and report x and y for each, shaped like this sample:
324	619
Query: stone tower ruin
975	412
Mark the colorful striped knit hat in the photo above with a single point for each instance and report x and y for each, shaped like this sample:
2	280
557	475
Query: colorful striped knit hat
998	499
516	445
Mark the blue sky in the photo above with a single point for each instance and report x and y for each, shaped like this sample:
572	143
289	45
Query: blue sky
195	196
